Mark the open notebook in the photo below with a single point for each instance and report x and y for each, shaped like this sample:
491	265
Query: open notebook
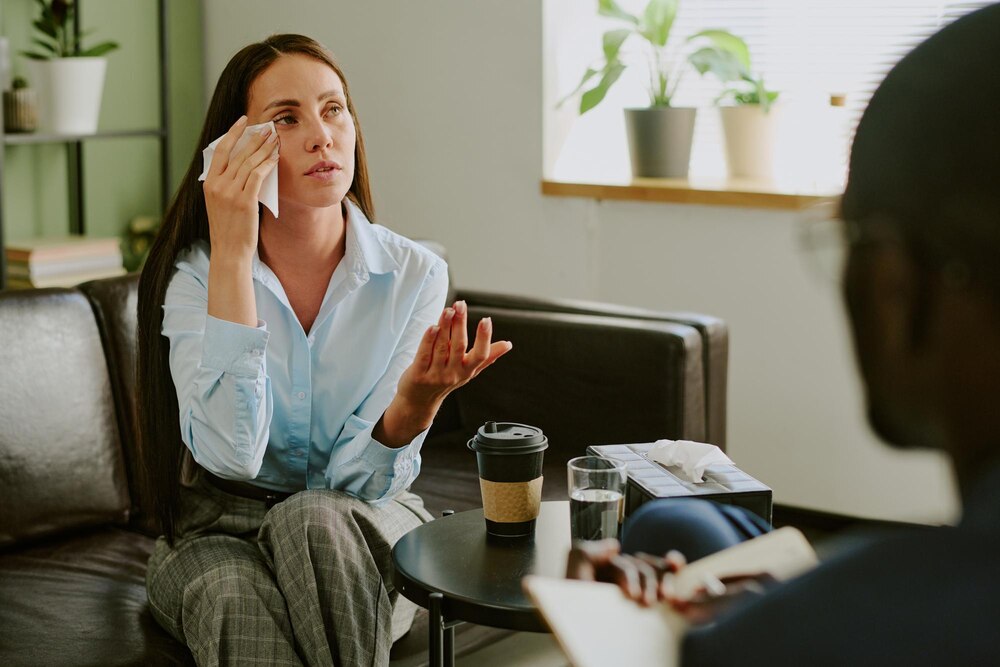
596	625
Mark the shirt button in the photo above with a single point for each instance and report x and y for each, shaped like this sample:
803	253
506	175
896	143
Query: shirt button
301	395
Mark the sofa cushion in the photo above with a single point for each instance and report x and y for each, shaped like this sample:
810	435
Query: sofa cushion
81	600
60	454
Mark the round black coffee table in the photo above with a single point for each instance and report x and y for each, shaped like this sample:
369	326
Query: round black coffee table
451	567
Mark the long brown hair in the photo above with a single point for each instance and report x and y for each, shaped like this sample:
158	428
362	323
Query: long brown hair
161	450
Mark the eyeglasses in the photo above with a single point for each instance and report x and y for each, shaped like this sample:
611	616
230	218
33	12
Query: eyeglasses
826	240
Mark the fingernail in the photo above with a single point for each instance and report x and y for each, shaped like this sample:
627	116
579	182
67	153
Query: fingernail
449	313
242	119
462	306
434	329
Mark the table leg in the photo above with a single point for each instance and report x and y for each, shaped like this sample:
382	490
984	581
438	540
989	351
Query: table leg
449	646
436	644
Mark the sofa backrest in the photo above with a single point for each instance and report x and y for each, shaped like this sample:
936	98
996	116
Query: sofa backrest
114	301
61	461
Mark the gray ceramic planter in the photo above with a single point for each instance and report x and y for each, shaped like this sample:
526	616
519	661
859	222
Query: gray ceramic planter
659	141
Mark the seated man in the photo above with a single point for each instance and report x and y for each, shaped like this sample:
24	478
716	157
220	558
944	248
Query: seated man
921	216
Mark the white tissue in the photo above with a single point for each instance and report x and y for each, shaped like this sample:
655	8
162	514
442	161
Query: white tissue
688	457
268	195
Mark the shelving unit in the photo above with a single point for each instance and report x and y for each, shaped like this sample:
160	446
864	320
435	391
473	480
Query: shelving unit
74	143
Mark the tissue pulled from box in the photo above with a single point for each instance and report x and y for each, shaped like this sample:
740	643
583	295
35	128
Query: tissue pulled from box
687	458
268	195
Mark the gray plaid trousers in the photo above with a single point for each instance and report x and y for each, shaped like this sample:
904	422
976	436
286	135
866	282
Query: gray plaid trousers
307	582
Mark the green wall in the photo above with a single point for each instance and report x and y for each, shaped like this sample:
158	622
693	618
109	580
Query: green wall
121	176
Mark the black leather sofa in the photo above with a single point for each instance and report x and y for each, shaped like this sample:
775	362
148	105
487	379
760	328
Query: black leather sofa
74	543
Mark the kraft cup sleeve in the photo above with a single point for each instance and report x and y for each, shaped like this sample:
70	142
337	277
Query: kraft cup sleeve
268	195
511	502
689	459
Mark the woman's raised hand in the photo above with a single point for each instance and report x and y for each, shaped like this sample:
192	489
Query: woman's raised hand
443	361
232	186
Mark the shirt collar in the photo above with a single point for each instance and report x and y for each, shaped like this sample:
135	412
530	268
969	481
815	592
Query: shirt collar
364	248
364	253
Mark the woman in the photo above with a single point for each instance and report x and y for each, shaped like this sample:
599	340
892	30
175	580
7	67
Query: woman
292	368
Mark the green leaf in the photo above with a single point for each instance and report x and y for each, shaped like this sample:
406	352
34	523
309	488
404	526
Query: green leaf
587	76
35	56
613	43
728	42
657	21
611	8
723	64
48	46
98	50
46	29
593	97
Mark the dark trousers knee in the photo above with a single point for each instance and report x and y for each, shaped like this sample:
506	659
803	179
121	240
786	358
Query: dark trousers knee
696	528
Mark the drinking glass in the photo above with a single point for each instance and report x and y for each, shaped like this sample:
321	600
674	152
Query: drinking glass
596	497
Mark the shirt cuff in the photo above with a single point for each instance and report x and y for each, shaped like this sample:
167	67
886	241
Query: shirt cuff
398	459
234	348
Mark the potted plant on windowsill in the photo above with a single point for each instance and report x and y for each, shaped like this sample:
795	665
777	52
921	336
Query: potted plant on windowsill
746	106
69	77
659	135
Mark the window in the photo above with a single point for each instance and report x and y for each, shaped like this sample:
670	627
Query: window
806	49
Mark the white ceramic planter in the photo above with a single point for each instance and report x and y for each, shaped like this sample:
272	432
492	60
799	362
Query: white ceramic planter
69	93
749	133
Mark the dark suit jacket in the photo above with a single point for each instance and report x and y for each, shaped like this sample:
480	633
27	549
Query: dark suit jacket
927	597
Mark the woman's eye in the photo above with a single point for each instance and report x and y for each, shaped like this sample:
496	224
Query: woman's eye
284	120
334	110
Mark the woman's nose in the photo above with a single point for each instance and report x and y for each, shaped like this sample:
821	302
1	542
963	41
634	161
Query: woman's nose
320	136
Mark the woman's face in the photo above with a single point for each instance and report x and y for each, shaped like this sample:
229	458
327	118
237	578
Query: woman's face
305	99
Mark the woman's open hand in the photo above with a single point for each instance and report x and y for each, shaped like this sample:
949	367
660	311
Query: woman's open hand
443	361
232	186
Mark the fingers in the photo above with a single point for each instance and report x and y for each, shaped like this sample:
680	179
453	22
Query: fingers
425	351
220	159
459	335
442	346
626	575
264	160
480	351
261	147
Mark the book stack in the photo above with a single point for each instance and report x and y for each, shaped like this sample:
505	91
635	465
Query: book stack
62	262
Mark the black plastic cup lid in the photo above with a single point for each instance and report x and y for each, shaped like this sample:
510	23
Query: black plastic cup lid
508	438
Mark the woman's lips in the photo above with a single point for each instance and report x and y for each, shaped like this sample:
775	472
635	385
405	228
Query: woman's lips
324	171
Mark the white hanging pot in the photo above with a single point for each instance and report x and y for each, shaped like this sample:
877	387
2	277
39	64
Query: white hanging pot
69	93
749	133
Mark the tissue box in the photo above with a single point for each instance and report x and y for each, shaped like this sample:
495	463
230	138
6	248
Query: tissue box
648	480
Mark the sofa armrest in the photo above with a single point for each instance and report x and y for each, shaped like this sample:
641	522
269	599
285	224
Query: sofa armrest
713	331
589	380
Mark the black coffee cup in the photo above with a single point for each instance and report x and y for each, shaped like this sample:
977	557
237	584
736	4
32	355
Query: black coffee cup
510	476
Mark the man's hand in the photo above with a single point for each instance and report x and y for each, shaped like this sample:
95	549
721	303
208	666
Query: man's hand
640	576
649	579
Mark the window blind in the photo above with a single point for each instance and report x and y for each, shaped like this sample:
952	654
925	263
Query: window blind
806	49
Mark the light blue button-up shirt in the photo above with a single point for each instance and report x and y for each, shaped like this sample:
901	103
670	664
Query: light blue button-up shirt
292	411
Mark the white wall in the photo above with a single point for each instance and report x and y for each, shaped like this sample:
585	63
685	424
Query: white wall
450	97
